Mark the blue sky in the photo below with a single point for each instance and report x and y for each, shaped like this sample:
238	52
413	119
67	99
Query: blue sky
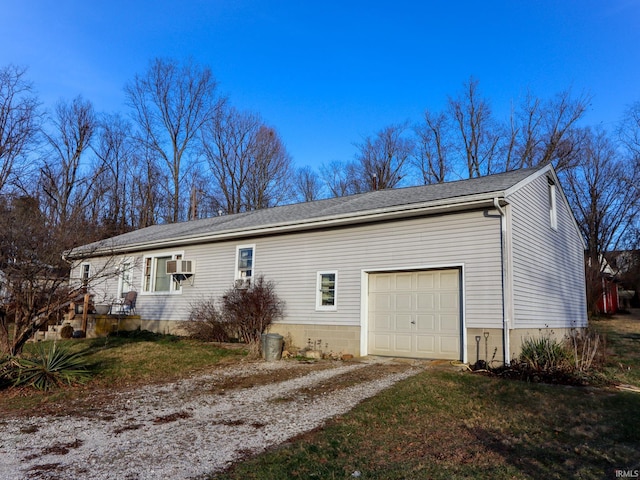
326	74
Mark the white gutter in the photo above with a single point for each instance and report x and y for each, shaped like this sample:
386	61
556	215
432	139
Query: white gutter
403	211
505	278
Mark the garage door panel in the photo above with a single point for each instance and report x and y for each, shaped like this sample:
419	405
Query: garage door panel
381	322
425	323
449	324
425	345
403	343
425	280
415	314
404	302
380	283
403	322
425	301
449	344
382	342
404	282
449	279
449	301
384	302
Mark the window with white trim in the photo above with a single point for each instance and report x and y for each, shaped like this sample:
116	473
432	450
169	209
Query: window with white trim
125	277
553	209
244	261
85	273
326	290
155	278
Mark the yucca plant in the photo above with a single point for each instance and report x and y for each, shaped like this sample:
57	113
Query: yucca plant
52	366
8	370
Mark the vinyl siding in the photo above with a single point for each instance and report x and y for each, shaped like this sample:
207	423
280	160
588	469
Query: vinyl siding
293	260
548	264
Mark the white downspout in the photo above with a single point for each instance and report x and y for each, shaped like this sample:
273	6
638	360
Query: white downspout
505	277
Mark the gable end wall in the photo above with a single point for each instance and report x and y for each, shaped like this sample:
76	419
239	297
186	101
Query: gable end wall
547	264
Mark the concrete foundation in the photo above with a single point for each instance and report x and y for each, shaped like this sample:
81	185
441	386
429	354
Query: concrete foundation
335	339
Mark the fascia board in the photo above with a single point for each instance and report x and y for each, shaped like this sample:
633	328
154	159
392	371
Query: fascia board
469	202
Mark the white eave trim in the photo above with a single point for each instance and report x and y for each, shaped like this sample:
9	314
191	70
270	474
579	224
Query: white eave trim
469	202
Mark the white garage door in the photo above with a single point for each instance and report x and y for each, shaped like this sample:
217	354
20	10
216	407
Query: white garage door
415	314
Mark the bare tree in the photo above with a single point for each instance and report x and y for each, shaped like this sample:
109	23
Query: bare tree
307	184
604	191
629	131
114	174
270	176
341	178
248	161
65	187
382	158
19	119
171	103
433	148
34	276
541	132
147	188
229	143
477	130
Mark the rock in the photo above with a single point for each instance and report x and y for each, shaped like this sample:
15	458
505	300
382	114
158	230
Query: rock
347	356
313	354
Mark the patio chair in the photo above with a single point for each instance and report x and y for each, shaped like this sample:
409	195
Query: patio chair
126	306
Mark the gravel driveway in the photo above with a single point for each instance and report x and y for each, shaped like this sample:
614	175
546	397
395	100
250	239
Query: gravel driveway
192	427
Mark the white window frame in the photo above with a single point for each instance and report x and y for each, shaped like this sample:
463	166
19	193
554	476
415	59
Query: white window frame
85	274
238	270
319	306
126	269
553	206
174	287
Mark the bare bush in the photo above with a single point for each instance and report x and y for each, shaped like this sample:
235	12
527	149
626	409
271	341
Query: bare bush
206	322
585	345
250	311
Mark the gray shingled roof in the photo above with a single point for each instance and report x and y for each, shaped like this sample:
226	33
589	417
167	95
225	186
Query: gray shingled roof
309	212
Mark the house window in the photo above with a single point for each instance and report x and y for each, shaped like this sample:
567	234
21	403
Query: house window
326	290
244	261
553	211
125	281
156	279
85	273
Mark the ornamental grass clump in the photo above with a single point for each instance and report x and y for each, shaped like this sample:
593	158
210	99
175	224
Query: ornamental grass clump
50	366
545	354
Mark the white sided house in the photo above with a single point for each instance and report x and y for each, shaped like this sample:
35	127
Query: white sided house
461	270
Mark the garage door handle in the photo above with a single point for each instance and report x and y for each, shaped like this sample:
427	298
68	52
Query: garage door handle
413	322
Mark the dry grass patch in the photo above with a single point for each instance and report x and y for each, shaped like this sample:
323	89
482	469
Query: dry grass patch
622	357
120	362
444	424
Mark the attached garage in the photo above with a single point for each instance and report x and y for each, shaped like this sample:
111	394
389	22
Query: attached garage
415	314
418	272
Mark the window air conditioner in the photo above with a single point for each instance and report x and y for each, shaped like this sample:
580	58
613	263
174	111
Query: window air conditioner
243	283
180	267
